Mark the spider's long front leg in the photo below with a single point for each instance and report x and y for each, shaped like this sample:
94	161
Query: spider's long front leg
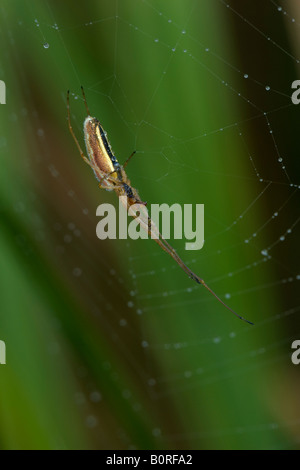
72	132
170	250
166	247
148	225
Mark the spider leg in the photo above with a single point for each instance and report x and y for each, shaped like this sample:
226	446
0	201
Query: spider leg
128	159
170	250
85	102
106	177
72	132
144	203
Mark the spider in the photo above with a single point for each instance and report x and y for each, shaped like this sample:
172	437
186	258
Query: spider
112	177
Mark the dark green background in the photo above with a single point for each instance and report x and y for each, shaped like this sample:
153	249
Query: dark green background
106	346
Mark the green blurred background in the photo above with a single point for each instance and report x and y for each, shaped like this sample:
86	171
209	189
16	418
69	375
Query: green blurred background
109	344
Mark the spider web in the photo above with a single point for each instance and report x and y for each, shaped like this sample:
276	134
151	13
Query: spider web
185	352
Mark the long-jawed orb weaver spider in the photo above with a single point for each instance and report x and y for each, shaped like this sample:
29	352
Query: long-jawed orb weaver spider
112	177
